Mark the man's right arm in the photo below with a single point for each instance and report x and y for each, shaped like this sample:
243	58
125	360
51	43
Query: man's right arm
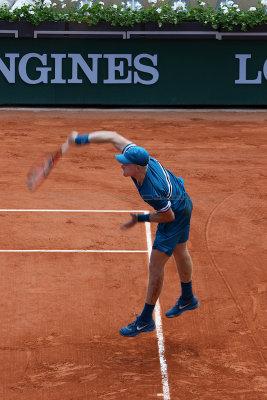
100	137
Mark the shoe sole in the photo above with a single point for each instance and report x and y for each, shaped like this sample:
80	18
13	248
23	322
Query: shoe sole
138	332
193	307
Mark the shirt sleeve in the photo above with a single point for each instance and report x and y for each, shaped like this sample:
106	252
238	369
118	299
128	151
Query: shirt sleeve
159	205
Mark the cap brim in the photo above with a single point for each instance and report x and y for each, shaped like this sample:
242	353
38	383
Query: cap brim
122	159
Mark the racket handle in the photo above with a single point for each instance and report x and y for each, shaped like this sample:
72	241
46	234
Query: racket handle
65	147
72	137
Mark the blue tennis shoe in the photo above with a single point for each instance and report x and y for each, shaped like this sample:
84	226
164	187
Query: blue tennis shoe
136	327
182	306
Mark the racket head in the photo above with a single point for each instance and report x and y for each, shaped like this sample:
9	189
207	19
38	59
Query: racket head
41	169
39	172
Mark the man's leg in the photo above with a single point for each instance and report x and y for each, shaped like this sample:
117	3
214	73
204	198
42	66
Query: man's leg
157	262
145	322
184	264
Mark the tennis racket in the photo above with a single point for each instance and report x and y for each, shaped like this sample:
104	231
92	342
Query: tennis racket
40	171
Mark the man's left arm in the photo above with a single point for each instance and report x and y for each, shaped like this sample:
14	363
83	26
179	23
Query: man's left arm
118	141
158	217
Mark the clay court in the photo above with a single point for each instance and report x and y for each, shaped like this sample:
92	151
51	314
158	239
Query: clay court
70	278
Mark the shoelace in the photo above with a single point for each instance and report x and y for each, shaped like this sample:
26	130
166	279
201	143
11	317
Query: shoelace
178	299
135	322
182	302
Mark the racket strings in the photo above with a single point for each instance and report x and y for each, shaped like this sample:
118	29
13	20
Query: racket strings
39	172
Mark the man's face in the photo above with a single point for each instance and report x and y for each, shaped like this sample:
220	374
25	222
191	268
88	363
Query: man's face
129	169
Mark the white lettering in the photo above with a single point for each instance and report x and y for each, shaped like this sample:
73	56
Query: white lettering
91	74
51	68
43	78
58	68
112	68
243	71
265	69
9	74
145	68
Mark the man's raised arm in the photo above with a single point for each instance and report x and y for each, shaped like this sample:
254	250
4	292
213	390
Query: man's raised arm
100	137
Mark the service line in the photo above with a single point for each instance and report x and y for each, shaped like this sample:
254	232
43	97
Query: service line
66	211
72	251
158	320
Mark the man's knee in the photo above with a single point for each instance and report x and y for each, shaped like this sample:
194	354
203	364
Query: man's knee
157	260
155	267
181	252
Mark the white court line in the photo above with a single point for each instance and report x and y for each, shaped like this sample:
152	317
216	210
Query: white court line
73	251
70	211
163	364
162	359
156	109
70	251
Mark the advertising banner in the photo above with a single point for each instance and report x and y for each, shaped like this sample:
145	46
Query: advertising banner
132	72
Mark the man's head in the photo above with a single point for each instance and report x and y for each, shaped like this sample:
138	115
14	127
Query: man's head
134	161
135	155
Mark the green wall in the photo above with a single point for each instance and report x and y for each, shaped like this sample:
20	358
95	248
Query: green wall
147	72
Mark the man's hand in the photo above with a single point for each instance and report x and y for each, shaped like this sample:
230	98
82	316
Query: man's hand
72	137
131	223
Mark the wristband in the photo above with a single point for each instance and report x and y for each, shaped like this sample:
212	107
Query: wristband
82	139
143	217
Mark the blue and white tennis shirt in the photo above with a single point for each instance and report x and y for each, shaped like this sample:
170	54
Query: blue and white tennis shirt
161	189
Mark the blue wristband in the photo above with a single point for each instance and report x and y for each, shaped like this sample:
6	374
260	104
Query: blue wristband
143	217
82	139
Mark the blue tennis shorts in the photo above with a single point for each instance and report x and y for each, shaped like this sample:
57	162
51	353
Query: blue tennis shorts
169	234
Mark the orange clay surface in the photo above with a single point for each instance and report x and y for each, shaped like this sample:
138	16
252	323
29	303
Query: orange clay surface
60	313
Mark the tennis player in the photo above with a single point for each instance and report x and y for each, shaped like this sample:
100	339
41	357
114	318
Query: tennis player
164	192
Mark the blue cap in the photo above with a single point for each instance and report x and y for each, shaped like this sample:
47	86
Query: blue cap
135	155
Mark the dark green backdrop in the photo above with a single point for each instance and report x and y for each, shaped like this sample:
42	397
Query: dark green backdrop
191	72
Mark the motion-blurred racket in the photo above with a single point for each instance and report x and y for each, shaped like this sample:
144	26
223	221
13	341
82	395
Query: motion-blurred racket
41	170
